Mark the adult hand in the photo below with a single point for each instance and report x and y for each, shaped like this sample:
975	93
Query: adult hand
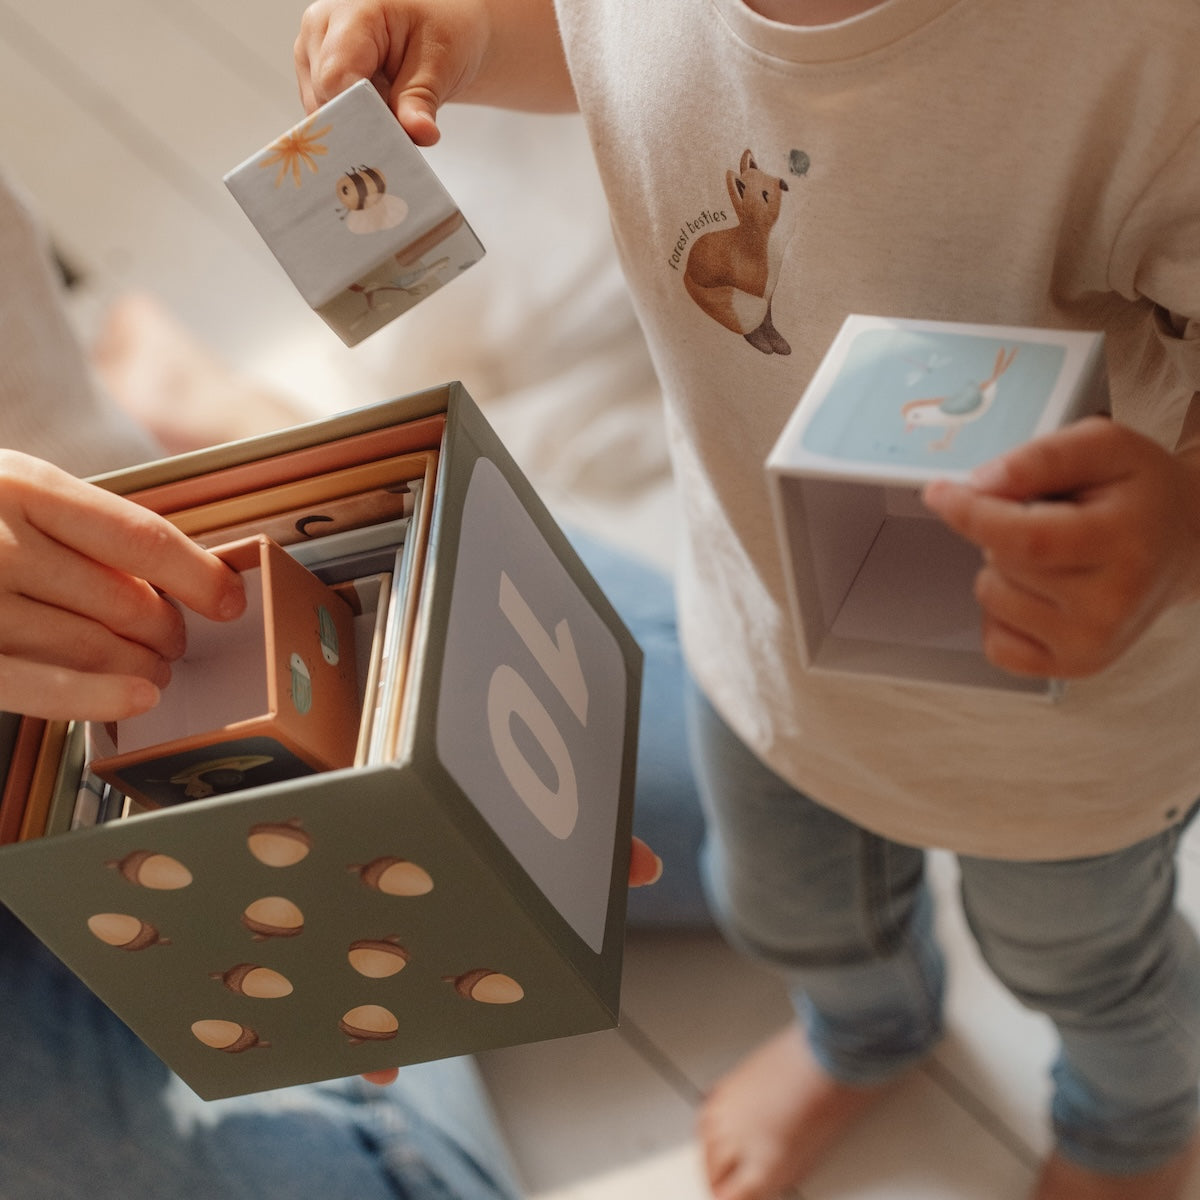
84	632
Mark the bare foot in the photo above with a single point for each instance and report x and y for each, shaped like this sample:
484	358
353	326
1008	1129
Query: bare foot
769	1122
1063	1180
174	387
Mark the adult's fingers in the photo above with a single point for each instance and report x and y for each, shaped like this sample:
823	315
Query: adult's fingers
61	694
125	537
63	606
57	637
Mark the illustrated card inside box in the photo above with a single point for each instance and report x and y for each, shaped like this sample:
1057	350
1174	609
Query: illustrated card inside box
879	585
269	696
354	214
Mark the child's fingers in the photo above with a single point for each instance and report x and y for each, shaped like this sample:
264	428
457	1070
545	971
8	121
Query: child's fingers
645	867
436	60
61	694
416	110
1066	624
381	1078
1048	534
1014	650
336	47
339	44
1028	613
1043	503
1085	454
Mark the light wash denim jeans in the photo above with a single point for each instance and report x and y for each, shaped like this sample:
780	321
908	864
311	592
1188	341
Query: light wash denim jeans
1096	944
88	1113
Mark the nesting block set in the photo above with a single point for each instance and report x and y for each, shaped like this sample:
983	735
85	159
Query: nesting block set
354	215
383	817
462	884
878	585
270	696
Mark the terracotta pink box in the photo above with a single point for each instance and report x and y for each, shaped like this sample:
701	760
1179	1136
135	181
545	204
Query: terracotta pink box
267	697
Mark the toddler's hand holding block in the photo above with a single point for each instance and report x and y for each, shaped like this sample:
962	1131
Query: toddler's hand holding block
354	214
879	586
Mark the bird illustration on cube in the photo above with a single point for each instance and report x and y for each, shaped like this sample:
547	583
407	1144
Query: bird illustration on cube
960	408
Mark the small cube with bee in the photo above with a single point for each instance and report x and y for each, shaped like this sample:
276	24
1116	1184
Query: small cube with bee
354	214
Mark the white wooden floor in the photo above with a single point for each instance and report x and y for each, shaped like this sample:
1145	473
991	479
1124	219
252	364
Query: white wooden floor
120	118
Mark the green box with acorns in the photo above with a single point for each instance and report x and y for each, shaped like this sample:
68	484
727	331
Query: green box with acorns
461	889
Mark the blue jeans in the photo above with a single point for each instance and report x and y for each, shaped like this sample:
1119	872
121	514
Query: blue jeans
87	1112
1096	944
666	811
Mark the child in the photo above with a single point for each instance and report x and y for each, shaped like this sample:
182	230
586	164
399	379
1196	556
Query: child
1012	163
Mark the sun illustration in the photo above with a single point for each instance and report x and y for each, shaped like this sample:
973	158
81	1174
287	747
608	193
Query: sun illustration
296	146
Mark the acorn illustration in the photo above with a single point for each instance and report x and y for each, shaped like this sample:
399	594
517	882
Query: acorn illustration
486	986
125	932
280	843
369	1023
227	1035
148	869
378	958
260	983
273	916
395	877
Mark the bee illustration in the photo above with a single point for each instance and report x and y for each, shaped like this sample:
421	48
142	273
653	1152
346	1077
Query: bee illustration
369	206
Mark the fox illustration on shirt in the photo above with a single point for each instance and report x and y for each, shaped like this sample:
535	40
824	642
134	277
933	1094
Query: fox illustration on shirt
731	273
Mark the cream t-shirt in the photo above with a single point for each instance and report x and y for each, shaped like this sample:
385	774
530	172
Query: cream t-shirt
1013	162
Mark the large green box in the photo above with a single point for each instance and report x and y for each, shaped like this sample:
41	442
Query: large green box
268	919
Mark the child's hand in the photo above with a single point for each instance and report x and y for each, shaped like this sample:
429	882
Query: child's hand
1088	535
83	632
421	53
417	56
